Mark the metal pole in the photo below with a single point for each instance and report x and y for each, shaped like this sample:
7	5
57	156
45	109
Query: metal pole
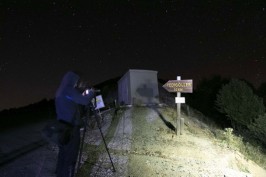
178	111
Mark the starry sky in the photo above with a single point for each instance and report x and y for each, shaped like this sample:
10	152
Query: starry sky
41	40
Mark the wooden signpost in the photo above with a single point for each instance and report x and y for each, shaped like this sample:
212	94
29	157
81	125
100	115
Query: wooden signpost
179	86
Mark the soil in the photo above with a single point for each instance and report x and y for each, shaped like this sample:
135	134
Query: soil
141	142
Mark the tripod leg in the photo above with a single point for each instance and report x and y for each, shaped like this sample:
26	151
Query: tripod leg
104	141
81	145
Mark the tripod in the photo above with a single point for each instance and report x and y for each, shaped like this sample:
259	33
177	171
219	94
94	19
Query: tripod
92	108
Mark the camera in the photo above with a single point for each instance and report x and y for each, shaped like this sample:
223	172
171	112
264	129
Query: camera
82	86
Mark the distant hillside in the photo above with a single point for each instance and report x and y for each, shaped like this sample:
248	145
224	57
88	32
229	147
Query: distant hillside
45	109
36	112
109	91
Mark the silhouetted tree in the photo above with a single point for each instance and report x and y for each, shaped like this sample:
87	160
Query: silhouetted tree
262	92
258	128
239	103
204	96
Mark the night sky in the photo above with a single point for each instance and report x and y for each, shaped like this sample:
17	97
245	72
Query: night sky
41	40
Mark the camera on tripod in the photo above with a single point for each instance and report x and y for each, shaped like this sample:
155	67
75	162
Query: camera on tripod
82	86
95	104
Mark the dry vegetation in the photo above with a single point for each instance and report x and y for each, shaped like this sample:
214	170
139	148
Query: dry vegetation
150	148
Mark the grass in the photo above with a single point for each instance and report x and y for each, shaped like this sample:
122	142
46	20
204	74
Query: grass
225	138
251	150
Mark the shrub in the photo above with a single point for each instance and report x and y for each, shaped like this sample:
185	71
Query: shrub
262	92
239	103
204	96
252	150
259	127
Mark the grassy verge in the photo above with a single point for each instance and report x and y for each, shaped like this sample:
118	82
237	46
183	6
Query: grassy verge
252	150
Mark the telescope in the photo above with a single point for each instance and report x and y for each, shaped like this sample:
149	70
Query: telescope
86	92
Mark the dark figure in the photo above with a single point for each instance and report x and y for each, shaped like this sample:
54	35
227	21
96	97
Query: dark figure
67	101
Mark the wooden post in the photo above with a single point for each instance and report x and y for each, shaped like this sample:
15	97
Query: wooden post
182	124
178	111
179	86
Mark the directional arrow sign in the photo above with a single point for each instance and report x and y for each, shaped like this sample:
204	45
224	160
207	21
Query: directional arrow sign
183	86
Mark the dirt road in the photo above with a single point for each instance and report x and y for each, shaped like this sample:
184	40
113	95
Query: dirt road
141	142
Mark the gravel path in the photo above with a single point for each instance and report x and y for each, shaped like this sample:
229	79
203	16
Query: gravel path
145	146
140	145
25	154
120	141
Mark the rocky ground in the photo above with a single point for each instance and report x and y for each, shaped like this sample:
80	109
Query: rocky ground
25	154
144	145
141	144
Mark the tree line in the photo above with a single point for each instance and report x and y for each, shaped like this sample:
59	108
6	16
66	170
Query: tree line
232	103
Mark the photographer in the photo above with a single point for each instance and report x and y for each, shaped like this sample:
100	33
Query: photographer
67	101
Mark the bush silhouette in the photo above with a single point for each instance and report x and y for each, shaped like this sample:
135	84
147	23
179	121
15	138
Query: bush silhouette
262	92
203	98
258	128
239	103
